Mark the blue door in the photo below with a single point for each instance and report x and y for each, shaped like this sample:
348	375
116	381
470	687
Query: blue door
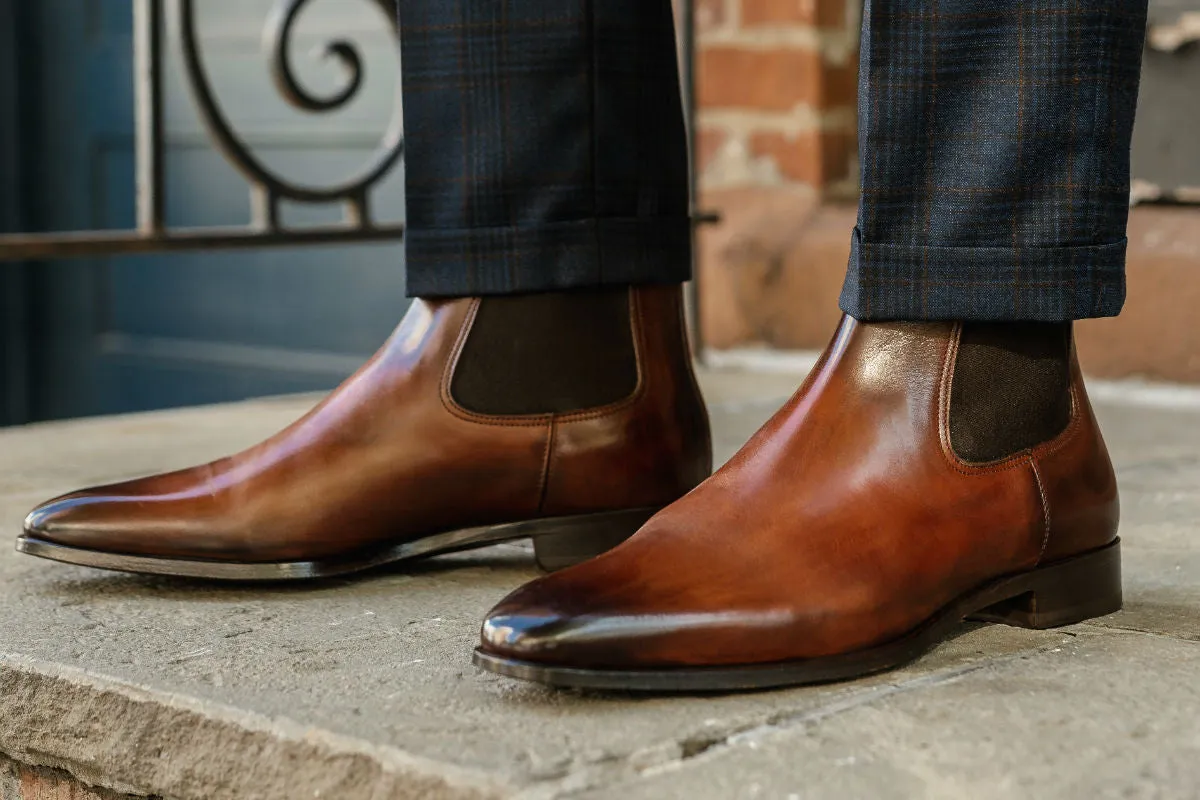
108	335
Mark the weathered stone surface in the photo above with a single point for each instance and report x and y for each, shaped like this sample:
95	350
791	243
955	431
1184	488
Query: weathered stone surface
10	787
364	689
1098	716
111	733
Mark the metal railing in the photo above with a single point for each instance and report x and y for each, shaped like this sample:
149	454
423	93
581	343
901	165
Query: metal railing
267	188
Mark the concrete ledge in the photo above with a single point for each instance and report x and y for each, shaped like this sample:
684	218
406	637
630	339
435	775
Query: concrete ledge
129	688
134	740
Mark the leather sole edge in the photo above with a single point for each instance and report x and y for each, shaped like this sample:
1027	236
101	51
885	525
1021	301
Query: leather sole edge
558	542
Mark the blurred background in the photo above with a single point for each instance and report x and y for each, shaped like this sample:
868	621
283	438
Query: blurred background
775	155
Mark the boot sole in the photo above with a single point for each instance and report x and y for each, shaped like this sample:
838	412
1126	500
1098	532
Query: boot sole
558	542
1057	594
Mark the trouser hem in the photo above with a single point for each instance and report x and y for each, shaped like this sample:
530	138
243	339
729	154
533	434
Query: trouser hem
985	284
581	254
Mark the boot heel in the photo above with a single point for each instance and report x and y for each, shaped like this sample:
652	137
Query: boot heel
568	541
1065	593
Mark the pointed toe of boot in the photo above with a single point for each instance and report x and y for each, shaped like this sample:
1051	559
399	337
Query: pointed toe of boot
610	641
79	528
587	618
40	522
524	627
608	645
147	517
71	520
524	635
117	518
544	622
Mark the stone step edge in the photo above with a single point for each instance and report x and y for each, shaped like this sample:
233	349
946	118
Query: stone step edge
135	740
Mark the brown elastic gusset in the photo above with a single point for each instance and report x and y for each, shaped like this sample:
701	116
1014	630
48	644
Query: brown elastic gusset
547	353
1011	388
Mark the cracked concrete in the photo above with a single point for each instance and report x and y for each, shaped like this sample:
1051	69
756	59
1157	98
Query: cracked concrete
364	689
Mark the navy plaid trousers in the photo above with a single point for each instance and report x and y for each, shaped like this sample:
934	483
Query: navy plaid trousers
994	142
545	145
546	150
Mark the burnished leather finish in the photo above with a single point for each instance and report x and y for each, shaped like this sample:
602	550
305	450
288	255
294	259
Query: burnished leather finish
845	524
390	458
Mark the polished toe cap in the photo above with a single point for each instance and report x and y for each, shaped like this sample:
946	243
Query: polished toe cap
522	635
615	630
534	624
61	517
593	640
133	518
94	520
40	521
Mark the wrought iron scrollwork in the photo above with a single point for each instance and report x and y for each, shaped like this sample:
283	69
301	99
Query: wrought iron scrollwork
276	38
268	187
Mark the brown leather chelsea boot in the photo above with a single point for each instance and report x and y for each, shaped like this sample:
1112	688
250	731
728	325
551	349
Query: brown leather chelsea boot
852	532
396	464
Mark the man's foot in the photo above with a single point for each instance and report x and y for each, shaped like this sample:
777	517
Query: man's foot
923	474
570	419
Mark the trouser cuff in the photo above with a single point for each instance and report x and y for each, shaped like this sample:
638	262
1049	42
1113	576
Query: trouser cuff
984	284
583	254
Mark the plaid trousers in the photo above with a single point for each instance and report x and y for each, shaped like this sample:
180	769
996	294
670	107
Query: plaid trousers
994	142
546	150
545	145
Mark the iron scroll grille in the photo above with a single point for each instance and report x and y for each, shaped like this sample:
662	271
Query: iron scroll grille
267	188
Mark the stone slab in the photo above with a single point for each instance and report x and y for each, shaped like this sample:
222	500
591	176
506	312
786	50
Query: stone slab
1097	716
364	688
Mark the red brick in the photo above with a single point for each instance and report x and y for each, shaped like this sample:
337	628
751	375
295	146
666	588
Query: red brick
46	785
776	79
841	84
711	14
772	270
709	142
816	158
735	256
822	13
1156	335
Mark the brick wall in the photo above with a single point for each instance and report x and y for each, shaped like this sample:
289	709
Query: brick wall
776	93
20	782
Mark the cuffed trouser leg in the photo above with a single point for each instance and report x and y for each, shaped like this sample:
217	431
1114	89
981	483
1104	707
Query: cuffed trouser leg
545	146
994	141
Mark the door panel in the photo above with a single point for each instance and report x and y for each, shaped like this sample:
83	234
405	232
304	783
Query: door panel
14	338
130	333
